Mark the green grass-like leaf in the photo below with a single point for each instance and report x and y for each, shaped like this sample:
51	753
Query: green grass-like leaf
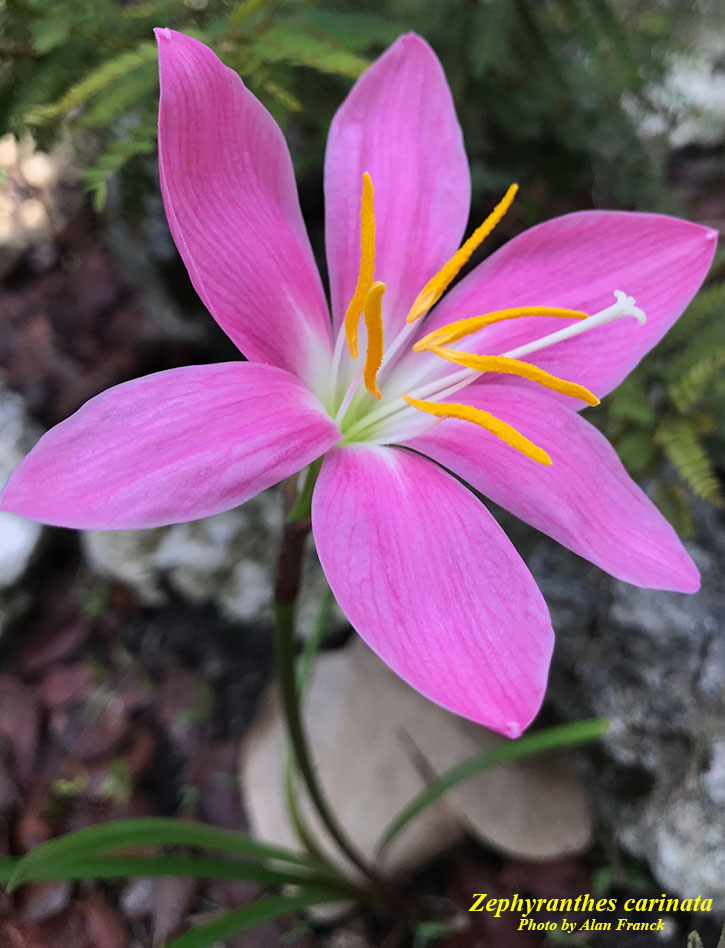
249	916
563	735
122	867
7	868
123	834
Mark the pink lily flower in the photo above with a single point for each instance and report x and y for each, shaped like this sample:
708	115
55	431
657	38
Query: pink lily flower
416	561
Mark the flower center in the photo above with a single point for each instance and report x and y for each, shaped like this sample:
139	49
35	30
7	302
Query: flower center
395	417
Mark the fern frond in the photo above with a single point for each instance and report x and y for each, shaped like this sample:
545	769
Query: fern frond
687	455
674	504
606	20
355	28
703	344
244	9
285	44
93	83
694	385
281	95
630	402
140	140
121	98
709	302
150	10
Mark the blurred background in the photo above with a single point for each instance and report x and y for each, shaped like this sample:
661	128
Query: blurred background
134	663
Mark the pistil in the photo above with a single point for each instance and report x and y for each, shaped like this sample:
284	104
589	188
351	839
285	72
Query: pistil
448	385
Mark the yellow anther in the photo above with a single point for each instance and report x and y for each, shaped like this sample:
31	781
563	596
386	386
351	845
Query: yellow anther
465	327
367	265
374	326
483	419
436	287
486	363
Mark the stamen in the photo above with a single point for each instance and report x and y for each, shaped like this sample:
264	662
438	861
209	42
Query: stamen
465	327
367	265
507	366
437	285
507	433
374	326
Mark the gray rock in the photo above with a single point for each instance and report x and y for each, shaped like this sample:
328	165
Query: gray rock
654	662
19	537
228	560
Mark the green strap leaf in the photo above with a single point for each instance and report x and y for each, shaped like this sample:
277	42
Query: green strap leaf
98	840
121	867
247	917
563	735
7	868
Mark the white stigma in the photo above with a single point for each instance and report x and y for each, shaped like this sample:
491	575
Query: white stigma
625	306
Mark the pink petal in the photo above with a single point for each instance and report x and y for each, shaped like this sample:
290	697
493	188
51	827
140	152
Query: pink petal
585	500
432	584
232	205
399	124
577	261
171	447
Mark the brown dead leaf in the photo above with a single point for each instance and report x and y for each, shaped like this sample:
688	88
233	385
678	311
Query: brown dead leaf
88	732
172	900
213	773
34	827
65	685
19	725
56	642
63	931
184	706
42	900
104	928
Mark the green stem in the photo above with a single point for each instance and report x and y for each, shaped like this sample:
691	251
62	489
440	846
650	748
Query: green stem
289	570
305	667
285	656
301	508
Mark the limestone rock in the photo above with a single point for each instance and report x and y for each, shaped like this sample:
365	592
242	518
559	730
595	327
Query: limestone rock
19	538
654	662
228	560
377	742
687	106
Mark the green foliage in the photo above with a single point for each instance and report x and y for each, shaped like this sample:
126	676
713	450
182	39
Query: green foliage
93	853
539	85
684	449
93	65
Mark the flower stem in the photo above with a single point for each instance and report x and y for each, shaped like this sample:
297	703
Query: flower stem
284	644
289	570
